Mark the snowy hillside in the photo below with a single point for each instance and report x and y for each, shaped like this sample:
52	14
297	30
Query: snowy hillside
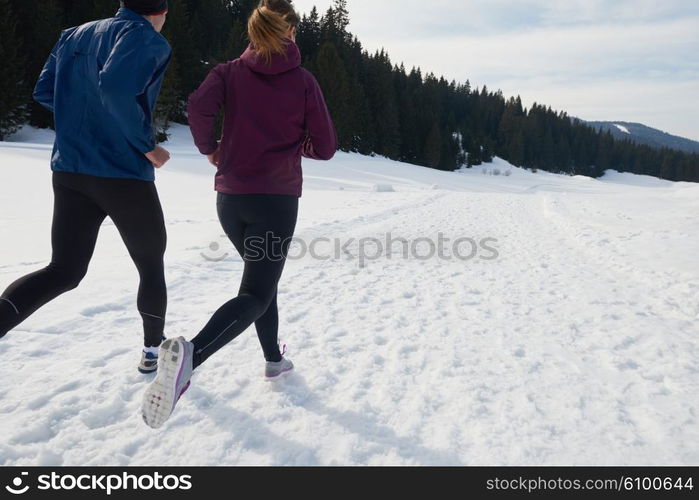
578	344
642	134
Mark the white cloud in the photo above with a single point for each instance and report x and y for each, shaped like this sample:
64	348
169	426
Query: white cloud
581	51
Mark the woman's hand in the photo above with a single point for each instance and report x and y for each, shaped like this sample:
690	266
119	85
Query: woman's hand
215	157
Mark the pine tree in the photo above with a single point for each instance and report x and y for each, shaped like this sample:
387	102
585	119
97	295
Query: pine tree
433	147
516	149
562	155
340	19
362	137
45	31
507	129
12	90
487	150
179	33
77	12
546	155
333	79
103	9
603	159
211	26
668	168
407	116
382	102
308	35
241	9
237	41
170	106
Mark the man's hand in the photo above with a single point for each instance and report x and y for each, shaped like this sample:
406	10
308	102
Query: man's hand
215	157
158	157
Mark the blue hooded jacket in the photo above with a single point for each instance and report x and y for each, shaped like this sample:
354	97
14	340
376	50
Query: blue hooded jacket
101	82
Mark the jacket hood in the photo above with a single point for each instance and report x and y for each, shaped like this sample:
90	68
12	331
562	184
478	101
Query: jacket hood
279	63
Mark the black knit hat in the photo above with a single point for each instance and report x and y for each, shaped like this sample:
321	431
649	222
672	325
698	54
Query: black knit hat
146	7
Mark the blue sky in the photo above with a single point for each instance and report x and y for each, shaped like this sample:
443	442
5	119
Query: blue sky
630	60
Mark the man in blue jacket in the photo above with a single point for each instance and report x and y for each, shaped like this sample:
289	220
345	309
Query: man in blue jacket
102	81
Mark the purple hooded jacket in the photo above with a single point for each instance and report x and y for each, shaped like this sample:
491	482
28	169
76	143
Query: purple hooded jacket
274	115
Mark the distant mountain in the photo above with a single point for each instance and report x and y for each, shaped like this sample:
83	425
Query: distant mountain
641	134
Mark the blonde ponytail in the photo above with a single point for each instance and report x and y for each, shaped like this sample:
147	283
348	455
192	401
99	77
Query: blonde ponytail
269	25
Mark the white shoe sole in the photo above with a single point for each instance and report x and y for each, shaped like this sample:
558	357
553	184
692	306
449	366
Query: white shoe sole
280	376
147	371
161	395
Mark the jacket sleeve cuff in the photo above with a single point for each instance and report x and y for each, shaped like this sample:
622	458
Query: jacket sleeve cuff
208	149
147	147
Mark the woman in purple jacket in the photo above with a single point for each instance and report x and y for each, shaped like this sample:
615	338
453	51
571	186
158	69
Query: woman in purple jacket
274	114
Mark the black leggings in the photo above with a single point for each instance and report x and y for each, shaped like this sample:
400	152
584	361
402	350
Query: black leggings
261	227
81	203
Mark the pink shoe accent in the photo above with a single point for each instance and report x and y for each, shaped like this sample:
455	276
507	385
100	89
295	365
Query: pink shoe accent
184	389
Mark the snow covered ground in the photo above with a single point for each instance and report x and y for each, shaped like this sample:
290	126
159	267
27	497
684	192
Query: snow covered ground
578	344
